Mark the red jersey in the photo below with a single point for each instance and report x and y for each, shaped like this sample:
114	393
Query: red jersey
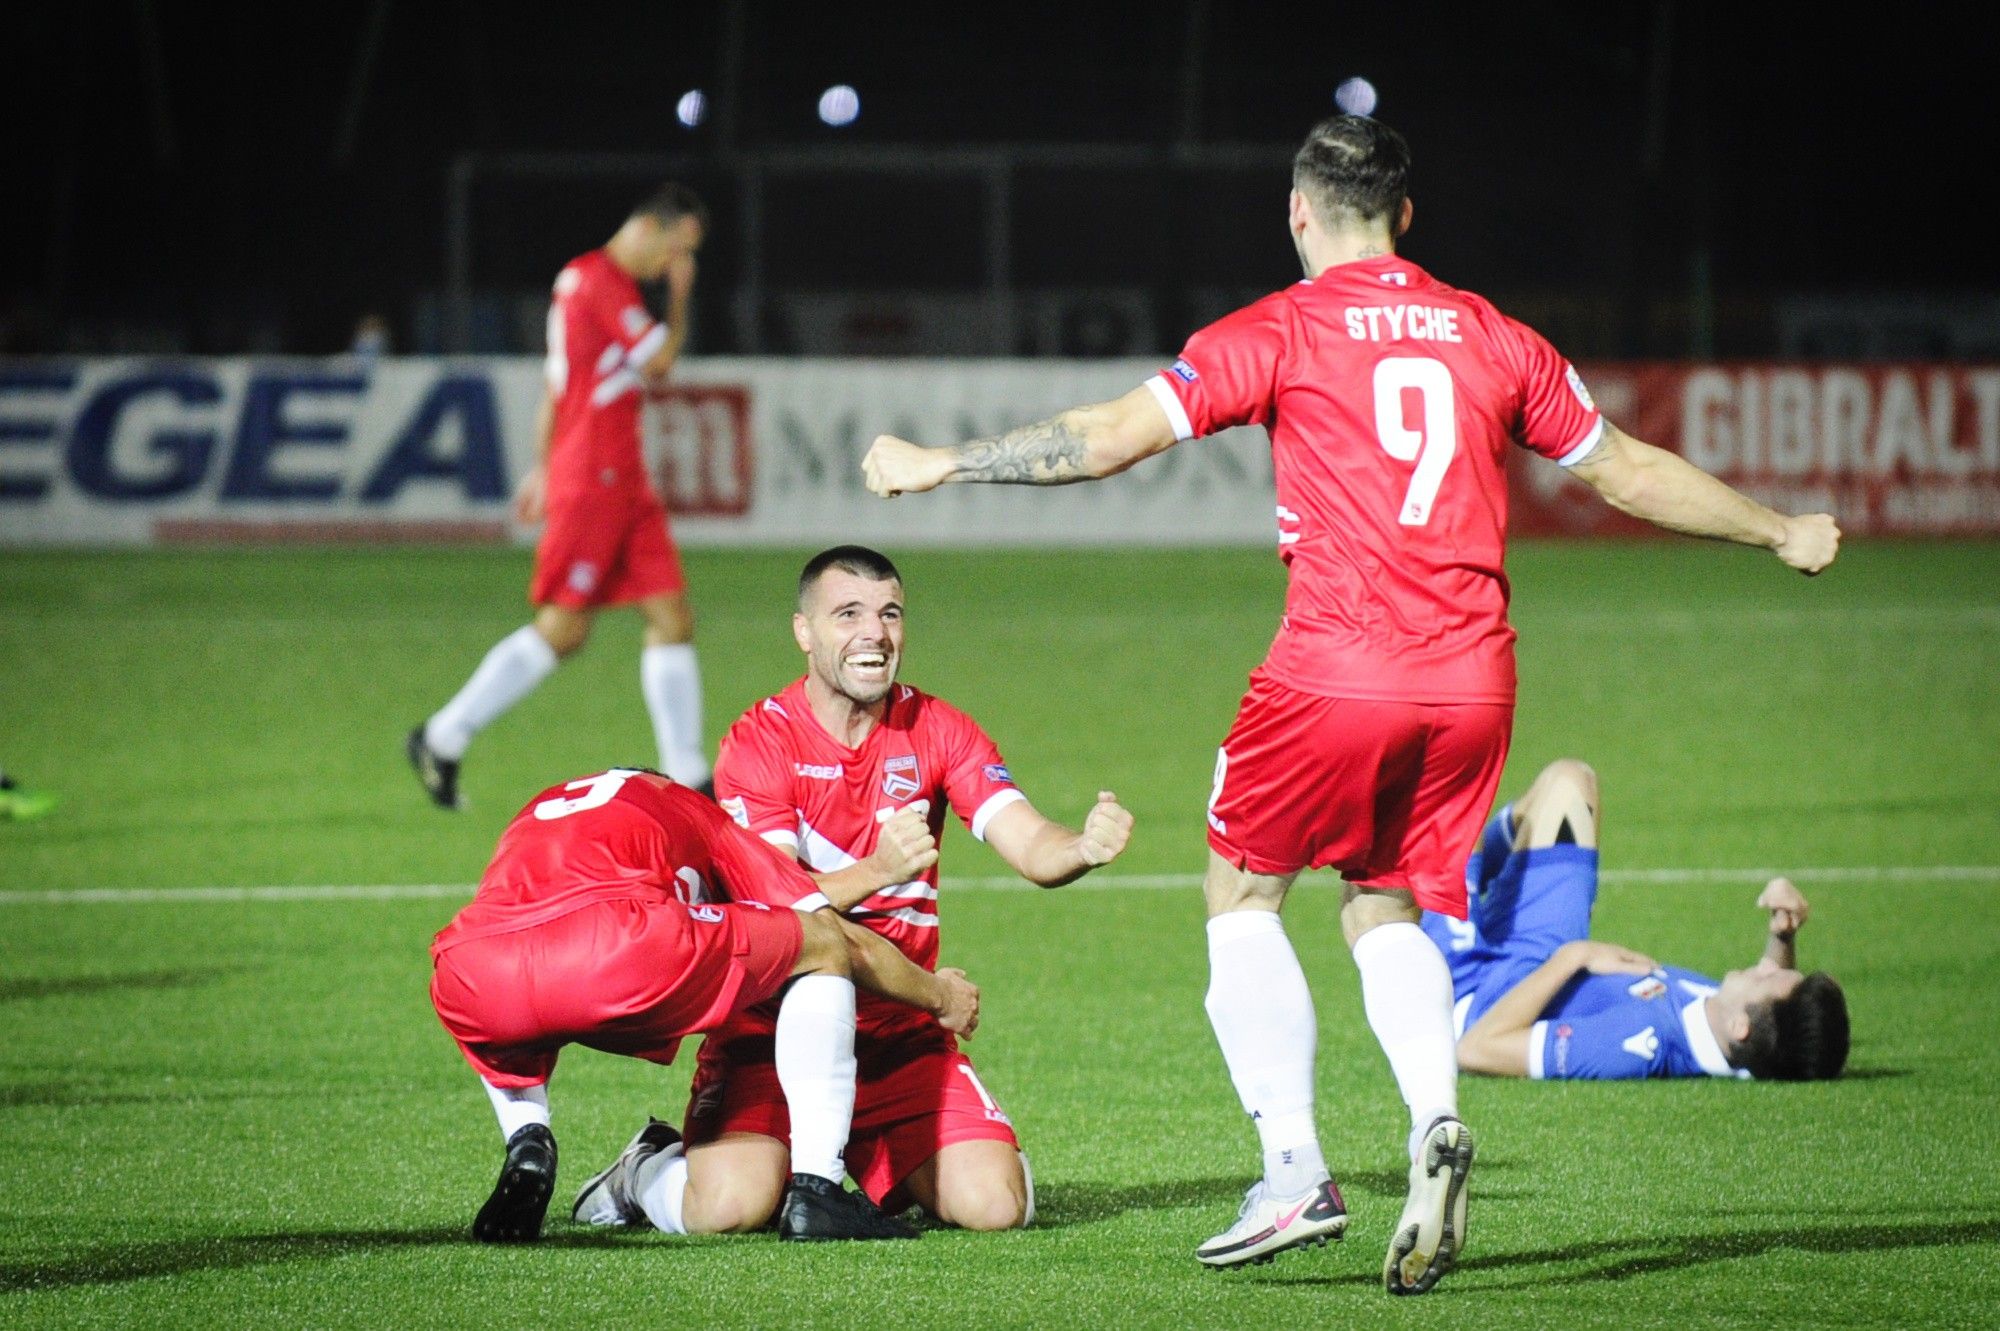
782	776
622	834
1390	398
600	334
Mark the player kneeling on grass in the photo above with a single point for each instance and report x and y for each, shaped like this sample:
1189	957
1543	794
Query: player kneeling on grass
851	772
1537	997
597	923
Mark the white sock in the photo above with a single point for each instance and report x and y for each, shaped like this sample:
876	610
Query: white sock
1028	1177
670	677
660	1185
1262	1012
510	672
1406	990
814	1052
517	1107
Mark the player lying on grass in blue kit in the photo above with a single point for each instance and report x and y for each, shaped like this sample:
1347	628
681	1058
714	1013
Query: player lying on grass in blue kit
1536	996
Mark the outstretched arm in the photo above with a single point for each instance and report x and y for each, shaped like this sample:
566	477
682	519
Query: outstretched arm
1046	853
1081	444
881	969
1788	915
1497	1044
1669	491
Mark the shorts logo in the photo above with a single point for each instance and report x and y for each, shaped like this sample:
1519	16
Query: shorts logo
583	577
1576	387
1652	986
733	806
1183	371
900	777
706	914
997	772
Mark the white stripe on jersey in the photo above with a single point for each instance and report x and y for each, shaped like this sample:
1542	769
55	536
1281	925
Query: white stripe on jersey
1538	1035
922	891
614	387
820	854
907	914
647	347
1583	447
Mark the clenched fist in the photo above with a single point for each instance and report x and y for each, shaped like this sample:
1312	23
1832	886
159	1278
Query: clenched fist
1787	906
1810	542
897	466
1105	830
905	847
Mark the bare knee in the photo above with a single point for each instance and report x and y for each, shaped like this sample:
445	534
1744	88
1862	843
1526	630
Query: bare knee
990	1209
669	619
1230	888
564	630
979	1185
1563	796
738	1197
1363	909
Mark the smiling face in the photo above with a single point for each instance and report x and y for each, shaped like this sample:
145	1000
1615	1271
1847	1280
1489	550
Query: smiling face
851	629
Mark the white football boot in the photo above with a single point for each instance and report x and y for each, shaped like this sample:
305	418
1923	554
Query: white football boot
1432	1227
1267	1225
607	1198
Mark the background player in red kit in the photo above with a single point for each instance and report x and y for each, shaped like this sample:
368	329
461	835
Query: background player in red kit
851	772
607	541
600	922
1372	738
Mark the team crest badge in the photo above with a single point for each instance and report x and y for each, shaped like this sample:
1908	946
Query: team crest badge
1576	387
1651	986
900	778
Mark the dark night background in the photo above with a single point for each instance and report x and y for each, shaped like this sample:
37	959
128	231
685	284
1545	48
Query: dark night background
222	178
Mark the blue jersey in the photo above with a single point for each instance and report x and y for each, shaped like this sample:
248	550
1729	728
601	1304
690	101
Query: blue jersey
1612	1027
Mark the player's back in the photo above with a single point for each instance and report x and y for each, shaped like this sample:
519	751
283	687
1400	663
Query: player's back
1391	400
620	834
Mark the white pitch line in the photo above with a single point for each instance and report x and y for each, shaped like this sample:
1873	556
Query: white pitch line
1846	873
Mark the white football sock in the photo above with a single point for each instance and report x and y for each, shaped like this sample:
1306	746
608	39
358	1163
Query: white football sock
517	1107
1262	1012
660	1185
1406	990
510	672
1028	1177
814	1051
670	677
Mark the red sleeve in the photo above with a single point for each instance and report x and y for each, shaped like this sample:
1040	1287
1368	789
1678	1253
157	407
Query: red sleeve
976	779
753	780
1228	372
1558	419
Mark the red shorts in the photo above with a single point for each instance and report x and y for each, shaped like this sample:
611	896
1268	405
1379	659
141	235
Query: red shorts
1392	794
625	976
607	550
913	1099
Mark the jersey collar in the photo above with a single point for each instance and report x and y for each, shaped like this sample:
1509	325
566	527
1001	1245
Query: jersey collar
1707	1050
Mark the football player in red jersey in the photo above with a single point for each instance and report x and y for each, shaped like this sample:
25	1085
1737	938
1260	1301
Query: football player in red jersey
1371	739
851	773
622	911
606	542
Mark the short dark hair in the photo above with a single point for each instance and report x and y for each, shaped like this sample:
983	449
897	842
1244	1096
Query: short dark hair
1800	1037
670	203
1353	169
856	559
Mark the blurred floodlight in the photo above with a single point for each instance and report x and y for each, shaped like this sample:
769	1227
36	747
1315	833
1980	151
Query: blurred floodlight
692	108
1356	97
839	105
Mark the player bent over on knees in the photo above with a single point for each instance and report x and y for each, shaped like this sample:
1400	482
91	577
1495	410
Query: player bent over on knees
852	772
1537	997
606	541
597	923
1371	739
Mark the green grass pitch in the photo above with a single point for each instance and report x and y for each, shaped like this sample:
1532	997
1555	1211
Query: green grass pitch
244	1113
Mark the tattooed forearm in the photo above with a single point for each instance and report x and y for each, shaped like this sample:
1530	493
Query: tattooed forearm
1048	452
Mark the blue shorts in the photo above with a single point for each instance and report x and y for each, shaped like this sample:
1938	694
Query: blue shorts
1537	901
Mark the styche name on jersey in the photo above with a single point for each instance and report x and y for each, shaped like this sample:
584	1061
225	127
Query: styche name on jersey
1393	323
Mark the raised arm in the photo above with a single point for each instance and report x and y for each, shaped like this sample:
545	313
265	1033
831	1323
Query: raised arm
1046	853
881	969
1081	444
1788	915
1669	491
1497	1044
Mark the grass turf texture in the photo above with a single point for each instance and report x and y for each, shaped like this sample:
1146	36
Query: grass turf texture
245	1112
